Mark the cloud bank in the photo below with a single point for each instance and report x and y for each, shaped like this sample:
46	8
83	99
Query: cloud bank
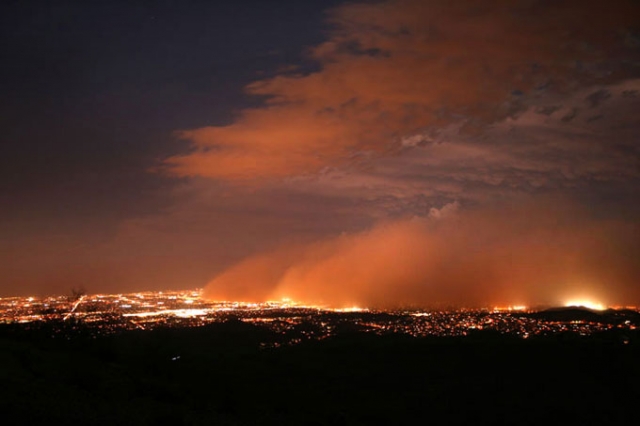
391	69
517	254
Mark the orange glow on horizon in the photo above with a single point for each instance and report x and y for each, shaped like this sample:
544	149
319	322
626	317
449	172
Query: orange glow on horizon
586	303
351	309
510	308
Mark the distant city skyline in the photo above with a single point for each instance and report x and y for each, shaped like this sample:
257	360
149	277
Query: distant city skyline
291	323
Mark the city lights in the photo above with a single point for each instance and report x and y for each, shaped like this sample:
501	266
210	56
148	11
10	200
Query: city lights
293	322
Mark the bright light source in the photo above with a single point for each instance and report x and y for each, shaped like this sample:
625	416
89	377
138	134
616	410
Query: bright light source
351	309
509	308
585	303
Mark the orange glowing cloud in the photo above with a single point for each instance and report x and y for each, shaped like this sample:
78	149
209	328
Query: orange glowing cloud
391	69
531	255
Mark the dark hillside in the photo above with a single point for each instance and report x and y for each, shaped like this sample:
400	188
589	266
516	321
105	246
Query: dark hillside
220	375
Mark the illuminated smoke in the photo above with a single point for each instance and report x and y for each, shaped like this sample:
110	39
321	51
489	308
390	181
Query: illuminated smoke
510	255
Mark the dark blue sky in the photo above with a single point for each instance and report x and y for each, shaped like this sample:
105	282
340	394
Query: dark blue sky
93	91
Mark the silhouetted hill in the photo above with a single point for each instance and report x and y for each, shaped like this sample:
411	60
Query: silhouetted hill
572	313
626	314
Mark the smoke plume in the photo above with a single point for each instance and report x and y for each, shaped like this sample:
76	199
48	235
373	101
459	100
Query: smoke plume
509	255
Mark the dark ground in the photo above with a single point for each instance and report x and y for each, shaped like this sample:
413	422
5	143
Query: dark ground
222	377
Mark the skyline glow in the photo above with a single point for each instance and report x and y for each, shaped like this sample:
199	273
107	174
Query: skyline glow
586	303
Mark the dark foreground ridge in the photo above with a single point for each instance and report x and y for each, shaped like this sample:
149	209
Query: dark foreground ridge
223	374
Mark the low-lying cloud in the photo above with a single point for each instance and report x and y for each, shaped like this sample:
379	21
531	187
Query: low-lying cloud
516	254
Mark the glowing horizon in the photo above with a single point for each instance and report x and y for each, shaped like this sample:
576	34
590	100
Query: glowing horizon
195	296
586	303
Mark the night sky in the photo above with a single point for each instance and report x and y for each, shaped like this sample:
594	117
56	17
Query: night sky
372	153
